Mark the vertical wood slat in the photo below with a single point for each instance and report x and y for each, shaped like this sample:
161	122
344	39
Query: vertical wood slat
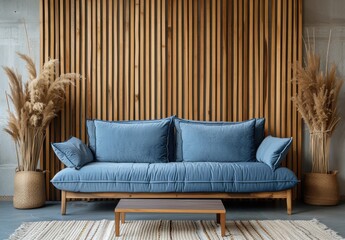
169	56
235	47
94	62
116	62
141	61
159	60
164	60
207	60
190	59
136	60
110	78
153	59
51	45
132	60
202	61
179	75
224	43
147	68
230	59
226	60
126	80
194	59
99	83
217	10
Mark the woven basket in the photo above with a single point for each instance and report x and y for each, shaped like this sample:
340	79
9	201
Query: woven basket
321	189
29	189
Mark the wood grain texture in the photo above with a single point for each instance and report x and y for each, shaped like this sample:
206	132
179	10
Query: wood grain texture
287	195
170	205
227	60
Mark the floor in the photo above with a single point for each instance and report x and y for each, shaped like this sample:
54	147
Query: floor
333	217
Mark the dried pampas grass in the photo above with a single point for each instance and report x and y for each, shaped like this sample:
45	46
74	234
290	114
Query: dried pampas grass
316	101
35	104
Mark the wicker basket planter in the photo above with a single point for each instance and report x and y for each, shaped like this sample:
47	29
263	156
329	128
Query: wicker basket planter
321	189
29	189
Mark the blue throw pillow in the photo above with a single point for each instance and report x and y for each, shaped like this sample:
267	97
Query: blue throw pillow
273	150
73	153
205	142
132	141
259	132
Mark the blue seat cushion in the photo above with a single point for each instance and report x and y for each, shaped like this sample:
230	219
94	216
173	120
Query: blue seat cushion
273	150
73	153
91	131
259	133
175	177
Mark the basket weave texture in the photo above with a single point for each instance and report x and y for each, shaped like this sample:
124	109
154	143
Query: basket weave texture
29	189
321	189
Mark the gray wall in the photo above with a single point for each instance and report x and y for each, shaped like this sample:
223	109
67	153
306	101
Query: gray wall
320	15
13	14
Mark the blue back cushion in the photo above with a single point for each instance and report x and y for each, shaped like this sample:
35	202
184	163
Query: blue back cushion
73	153
132	141
273	150
91	131
218	142
259	133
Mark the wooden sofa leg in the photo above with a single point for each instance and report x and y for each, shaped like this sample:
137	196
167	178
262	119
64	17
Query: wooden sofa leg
289	201
63	203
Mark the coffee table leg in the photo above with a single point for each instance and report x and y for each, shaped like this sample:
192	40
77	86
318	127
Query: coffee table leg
117	224
123	217
218	217
222	224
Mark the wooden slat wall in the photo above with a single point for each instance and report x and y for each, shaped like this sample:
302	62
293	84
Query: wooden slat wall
227	60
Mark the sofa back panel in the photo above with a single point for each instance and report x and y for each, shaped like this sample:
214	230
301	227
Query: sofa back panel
204	142
91	131
259	133
132	141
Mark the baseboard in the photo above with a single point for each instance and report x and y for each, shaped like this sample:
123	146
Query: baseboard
6	198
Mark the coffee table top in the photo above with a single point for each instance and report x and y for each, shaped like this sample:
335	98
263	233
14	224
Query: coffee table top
170	205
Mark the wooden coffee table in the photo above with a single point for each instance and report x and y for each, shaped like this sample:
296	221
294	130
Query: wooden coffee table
169	206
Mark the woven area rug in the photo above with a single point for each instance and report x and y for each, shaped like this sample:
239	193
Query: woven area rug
179	230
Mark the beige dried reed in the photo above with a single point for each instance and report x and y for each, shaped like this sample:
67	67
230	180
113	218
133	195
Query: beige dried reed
316	101
34	105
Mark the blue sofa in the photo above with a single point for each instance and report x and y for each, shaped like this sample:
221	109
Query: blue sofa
174	158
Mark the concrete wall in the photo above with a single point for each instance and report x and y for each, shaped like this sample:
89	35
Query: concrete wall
320	15
13	15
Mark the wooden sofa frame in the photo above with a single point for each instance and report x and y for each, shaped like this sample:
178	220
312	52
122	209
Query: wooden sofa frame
286	194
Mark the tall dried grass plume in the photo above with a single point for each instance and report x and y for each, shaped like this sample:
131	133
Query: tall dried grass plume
34	104
316	101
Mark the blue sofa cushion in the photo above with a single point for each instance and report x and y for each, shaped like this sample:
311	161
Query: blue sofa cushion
91	131
175	177
259	133
273	150
140	141
218	142
73	153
